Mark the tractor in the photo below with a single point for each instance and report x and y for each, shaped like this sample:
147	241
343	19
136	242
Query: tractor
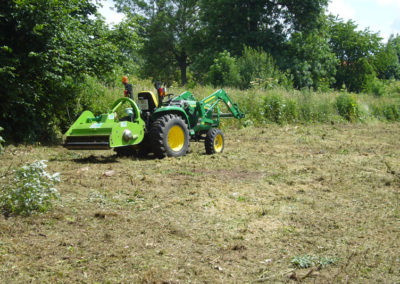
154	125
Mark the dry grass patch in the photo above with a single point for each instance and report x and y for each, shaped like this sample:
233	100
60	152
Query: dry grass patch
325	192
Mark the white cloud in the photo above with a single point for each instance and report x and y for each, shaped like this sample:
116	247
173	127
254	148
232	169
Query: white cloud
389	3
343	9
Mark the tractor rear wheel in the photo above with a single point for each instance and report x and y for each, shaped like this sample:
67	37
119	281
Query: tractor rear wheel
214	141
169	136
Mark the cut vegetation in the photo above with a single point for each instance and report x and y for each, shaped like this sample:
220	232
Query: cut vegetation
313	203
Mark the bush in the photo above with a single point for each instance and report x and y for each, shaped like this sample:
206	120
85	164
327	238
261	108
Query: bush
253	68
348	107
252	105
258	68
280	110
375	87
392	112
290	110
32	189
274	108
1	141
224	71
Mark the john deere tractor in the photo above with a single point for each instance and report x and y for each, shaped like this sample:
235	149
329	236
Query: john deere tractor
154	126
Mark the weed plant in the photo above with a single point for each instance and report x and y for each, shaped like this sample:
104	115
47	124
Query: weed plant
30	190
307	261
348	107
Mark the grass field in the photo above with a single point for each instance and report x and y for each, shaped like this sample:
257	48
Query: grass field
323	196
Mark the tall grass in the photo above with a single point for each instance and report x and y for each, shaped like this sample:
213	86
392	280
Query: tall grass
267	106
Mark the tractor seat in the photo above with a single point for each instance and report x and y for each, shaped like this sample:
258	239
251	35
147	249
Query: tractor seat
147	101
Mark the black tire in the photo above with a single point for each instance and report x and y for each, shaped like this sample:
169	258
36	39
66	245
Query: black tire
215	141
169	136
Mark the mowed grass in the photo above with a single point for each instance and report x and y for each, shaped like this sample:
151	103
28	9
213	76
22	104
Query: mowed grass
276	193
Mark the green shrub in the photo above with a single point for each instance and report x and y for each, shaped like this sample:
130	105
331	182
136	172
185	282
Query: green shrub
258	68
274	108
224	71
255	68
394	88
31	189
375	87
290	110
252	106
306	112
392	112
1	141
348	107
280	110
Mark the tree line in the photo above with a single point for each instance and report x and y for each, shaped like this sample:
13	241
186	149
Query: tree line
48	47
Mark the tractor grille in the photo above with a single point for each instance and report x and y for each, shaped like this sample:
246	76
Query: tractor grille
87	143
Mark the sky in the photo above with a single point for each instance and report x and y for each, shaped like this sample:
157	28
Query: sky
381	16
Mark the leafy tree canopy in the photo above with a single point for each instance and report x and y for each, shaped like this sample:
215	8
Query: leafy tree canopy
170	29
46	46
355	51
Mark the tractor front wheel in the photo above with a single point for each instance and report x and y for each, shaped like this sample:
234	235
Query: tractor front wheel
214	142
169	136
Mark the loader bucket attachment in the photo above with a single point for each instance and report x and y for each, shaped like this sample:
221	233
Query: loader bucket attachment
105	131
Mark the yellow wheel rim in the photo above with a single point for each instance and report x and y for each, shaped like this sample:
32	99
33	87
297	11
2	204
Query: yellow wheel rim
218	143
176	138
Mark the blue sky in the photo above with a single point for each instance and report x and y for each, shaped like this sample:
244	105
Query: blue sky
381	16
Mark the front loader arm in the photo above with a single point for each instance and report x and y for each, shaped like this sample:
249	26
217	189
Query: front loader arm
221	95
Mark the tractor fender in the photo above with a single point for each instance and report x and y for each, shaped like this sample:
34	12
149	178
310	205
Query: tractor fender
171	109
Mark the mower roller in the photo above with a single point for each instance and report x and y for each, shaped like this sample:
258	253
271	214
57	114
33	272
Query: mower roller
154	126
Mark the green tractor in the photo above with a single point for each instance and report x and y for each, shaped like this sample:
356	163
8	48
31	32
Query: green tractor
154	126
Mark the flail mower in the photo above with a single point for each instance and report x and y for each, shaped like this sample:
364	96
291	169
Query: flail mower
154	126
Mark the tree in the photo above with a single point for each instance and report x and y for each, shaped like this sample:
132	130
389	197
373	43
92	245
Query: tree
125	36
310	58
395	41
170	31
257	23
47	46
355	51
224	71
386	62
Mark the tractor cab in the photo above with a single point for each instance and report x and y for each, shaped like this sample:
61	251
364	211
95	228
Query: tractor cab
147	103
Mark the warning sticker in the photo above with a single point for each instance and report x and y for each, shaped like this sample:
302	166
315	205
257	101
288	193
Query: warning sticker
123	124
96	125
111	116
